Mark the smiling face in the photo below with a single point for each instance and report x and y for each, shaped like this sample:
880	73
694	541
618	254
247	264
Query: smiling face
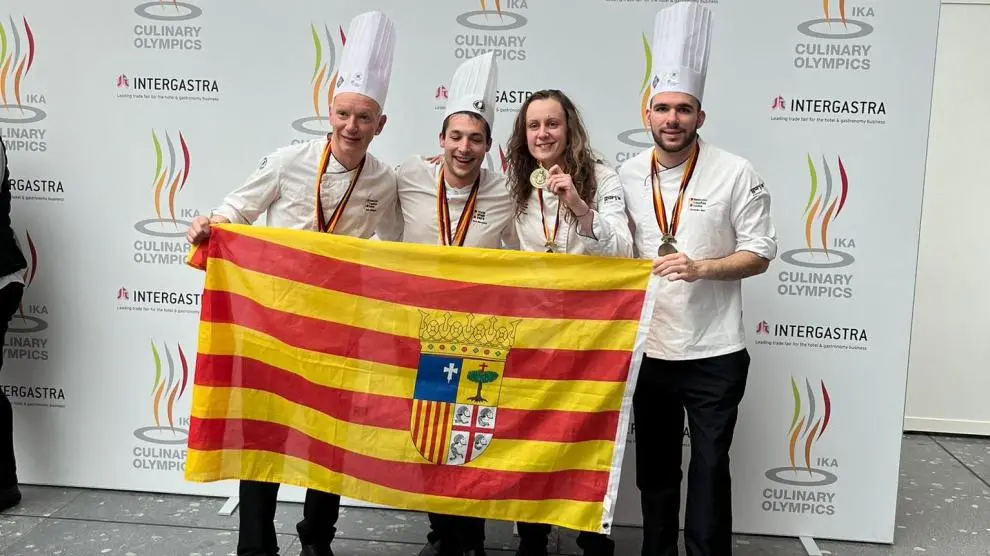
546	131
464	141
355	120
674	120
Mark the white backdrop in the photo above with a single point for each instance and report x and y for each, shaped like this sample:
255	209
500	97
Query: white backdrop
125	119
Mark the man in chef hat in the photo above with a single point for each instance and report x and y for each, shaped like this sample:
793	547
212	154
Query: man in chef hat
442	203
703	215
332	185
440	200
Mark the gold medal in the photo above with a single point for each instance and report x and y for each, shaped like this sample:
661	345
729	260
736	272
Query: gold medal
538	178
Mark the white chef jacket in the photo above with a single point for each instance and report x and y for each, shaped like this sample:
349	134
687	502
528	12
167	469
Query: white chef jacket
610	237
417	220
283	187
726	209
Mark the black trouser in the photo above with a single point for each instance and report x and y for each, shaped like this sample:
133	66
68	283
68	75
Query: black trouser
10	299
456	533
257	518
533	538
710	390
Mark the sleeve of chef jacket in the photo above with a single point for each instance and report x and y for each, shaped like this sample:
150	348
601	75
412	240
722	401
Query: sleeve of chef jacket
245	204
610	224
751	218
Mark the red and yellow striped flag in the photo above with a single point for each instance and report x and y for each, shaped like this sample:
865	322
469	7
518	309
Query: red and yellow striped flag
463	381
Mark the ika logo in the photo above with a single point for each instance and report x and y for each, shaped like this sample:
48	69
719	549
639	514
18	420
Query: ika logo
492	31
641	137
494	20
172	165
169	386
29	322
17	54
324	78
809	422
835	25
458	384
168	11
820	211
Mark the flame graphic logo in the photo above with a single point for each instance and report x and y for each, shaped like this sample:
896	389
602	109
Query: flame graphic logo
323	78
641	137
825	203
815	209
506	20
842	11
17	54
319	68
170	177
822	28
168	387
809	421
802	429
498	7
503	159
32	268
645	87
23	323
173	163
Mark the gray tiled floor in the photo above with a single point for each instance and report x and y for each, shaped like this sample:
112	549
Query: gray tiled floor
943	510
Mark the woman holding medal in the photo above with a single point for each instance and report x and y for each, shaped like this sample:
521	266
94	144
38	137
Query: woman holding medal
568	201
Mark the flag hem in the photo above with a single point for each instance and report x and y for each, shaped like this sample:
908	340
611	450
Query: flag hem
639	347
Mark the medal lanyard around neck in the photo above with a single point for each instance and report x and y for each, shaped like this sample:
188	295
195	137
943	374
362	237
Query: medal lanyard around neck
321	223
658	207
443	212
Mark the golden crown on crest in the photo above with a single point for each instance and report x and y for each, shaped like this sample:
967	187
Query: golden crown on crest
468	330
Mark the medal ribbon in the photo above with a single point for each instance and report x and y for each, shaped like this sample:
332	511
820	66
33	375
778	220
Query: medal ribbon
321	223
443	212
658	208
551	240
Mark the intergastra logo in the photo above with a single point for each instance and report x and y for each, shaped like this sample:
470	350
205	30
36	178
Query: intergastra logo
27	338
165	87
830	111
166	25
640	138
323	81
812	335
807	469
828	192
832	41
493	28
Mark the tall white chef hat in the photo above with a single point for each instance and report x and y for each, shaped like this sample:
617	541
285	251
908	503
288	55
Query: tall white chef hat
366	63
682	37
472	89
